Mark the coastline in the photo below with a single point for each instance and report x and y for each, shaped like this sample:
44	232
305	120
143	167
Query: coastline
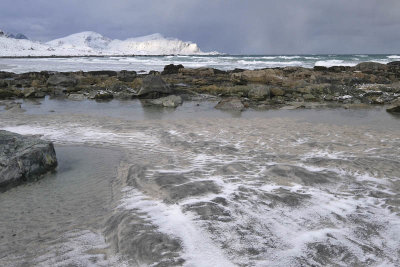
365	84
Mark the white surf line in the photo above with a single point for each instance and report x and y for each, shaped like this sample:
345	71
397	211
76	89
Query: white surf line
199	249
77	134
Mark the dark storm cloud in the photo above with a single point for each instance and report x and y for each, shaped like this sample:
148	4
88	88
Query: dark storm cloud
232	26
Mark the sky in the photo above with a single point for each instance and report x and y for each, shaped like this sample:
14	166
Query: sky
229	26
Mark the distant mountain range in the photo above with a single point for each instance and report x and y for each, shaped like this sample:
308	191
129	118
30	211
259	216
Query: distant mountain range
19	36
91	44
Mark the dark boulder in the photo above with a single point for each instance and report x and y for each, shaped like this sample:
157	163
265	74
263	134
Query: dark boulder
108	73
153	86
3	84
24	158
370	67
394	63
172	69
320	68
61	80
395	107
126	76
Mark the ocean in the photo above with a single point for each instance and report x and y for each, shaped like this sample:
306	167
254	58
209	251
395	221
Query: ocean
222	62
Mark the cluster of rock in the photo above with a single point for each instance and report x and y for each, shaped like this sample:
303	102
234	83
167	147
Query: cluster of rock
24	158
368	83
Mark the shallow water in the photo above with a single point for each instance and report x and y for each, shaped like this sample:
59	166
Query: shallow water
55	220
374	116
209	188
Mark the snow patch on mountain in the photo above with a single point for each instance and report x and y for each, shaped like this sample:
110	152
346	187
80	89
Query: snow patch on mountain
92	43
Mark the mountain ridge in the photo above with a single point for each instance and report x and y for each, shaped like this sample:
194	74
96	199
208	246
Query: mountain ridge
89	43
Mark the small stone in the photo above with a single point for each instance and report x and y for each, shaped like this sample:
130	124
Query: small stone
231	103
171	101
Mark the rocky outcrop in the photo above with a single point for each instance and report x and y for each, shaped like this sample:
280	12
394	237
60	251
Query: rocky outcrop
367	83
61	80
152	86
370	67
394	108
230	104
24	158
172	69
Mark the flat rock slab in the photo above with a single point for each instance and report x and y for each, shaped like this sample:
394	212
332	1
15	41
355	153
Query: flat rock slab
24	158
230	103
394	109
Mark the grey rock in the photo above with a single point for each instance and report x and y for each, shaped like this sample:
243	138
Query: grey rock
100	95
259	92
3	84
126	76
171	101
231	103
24	158
107	73
76	97
394	109
153	85
370	67
61	80
33	93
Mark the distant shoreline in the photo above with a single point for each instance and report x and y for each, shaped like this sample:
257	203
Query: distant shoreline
199	55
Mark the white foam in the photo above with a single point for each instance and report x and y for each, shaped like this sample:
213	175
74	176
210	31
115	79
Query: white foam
199	249
77	134
335	62
79	248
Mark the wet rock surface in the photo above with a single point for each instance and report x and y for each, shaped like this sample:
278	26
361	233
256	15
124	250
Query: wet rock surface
171	101
394	108
231	103
24	158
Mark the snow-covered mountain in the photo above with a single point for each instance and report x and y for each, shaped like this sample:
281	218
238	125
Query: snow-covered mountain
92	43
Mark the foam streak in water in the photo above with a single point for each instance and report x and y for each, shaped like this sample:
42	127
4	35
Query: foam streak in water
199	249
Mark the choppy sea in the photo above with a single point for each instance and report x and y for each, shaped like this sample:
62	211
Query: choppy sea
223	62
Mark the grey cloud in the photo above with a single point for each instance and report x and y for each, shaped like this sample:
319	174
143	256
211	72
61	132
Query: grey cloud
232	26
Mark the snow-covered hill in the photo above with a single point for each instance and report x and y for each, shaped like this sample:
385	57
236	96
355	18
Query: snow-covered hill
92	43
